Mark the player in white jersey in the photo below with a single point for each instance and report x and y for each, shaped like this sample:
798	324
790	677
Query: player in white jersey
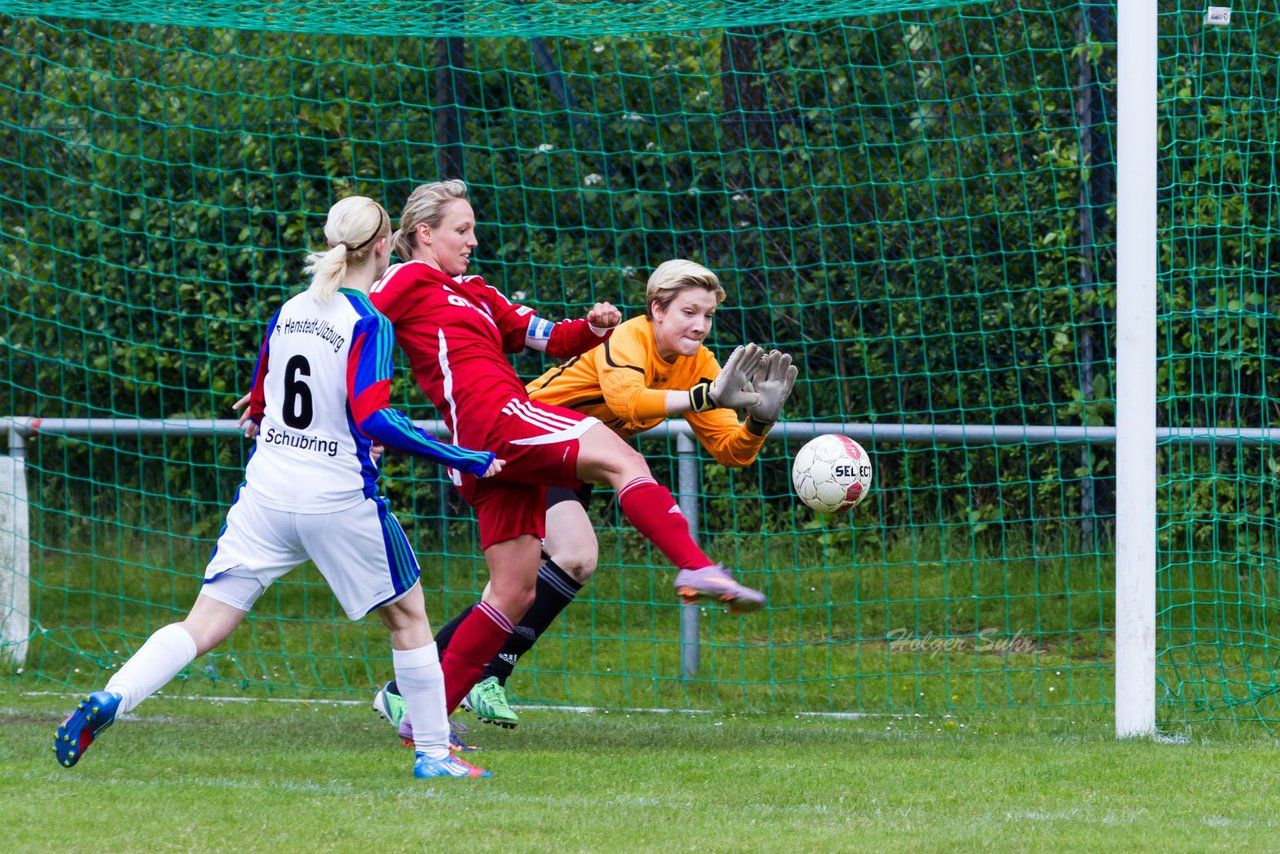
320	398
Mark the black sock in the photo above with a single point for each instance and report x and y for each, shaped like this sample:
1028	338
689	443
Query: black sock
554	592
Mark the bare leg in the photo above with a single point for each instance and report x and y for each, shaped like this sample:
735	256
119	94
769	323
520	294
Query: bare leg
647	504
650	508
571	540
513	575
573	550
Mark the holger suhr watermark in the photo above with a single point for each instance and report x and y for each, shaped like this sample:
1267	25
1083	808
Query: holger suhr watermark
984	640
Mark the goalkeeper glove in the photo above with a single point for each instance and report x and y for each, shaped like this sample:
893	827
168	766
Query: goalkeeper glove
730	390
773	380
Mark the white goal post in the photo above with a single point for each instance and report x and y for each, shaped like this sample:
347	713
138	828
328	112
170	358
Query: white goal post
1136	369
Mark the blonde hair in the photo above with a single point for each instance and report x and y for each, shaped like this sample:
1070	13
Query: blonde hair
352	227
673	277
426	204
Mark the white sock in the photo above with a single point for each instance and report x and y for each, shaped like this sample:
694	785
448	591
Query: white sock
421	683
164	654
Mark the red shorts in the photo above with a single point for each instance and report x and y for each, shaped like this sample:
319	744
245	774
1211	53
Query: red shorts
539	442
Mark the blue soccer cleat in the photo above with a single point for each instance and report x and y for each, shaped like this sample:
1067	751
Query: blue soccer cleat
451	766
95	713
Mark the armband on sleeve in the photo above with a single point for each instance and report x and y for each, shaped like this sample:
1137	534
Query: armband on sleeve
539	334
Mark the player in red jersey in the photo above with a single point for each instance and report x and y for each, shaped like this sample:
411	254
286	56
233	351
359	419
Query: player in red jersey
457	331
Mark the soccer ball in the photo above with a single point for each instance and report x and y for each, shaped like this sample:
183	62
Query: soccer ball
832	473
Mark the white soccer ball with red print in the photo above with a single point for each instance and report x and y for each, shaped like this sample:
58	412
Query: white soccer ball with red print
832	473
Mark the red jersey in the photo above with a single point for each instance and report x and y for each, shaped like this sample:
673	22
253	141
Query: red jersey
457	334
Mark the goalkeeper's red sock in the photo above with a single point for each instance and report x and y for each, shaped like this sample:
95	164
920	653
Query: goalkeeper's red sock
654	513
475	642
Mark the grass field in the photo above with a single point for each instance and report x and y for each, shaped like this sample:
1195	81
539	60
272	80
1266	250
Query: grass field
188	775
961	749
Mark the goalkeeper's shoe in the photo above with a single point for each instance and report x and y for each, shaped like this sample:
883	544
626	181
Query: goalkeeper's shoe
488	699
95	713
715	584
451	766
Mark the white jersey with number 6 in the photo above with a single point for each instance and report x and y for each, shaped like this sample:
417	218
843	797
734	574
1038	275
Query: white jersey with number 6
321	395
309	457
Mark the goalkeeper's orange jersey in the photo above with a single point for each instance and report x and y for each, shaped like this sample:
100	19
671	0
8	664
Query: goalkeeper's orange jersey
624	383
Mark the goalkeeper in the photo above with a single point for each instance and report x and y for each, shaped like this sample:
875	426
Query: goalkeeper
653	367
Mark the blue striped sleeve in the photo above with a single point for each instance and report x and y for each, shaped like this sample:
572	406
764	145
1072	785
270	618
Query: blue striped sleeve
393	428
369	396
372	340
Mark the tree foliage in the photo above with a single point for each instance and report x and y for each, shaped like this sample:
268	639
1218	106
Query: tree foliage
902	201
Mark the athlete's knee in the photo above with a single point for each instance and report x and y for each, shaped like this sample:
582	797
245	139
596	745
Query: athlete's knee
578	566
513	575
571	541
398	616
610	456
512	602
512	595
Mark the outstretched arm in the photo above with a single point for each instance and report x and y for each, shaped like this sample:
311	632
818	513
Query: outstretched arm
623	371
393	429
570	338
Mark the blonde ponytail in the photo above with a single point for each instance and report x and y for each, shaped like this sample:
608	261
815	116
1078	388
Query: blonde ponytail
327	271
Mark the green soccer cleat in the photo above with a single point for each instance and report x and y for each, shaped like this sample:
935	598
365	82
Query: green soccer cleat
488	699
391	706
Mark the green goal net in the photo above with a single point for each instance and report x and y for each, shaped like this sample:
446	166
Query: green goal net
1217	601
916	199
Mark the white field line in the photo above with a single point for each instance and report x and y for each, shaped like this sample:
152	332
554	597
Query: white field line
582	710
